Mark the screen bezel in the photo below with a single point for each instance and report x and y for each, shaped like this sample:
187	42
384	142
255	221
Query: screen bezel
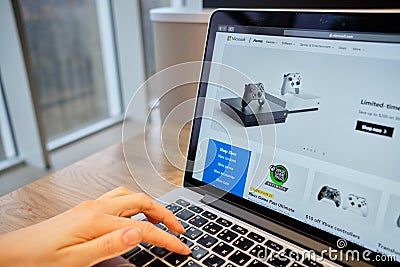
343	21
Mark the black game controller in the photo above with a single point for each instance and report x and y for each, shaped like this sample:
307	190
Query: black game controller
330	194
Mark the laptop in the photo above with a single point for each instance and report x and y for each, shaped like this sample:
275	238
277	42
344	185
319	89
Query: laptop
294	148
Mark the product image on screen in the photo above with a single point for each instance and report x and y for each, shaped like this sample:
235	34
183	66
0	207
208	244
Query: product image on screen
262	106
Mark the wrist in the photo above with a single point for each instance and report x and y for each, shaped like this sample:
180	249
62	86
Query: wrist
11	253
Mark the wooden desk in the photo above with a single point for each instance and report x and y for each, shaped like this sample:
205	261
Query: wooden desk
99	173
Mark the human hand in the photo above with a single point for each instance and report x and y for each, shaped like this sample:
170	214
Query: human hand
92	232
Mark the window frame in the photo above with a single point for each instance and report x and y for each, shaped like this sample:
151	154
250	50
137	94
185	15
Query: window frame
7	135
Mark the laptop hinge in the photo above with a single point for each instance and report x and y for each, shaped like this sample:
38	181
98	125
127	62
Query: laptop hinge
209	200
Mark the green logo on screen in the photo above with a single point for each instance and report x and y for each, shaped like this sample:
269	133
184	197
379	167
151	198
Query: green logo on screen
278	174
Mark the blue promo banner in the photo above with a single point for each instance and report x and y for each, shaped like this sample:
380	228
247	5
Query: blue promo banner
226	167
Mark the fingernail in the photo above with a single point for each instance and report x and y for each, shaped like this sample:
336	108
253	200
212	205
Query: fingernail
186	249
182	229
133	236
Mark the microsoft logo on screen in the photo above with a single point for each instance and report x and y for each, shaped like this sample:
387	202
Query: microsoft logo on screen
233	38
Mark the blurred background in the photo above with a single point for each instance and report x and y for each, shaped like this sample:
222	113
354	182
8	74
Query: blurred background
69	67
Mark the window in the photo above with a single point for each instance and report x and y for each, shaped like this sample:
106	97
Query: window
72	63
7	146
69	69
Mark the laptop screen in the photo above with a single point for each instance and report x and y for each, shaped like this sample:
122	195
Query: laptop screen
303	119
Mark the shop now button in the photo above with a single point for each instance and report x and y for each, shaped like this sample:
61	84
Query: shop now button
373	128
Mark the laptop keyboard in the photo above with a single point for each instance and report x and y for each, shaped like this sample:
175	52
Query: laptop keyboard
217	241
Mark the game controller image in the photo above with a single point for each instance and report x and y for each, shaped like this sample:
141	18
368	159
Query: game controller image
293	95
329	193
357	204
253	91
291	83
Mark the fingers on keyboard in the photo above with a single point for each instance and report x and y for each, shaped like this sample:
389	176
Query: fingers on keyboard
214	242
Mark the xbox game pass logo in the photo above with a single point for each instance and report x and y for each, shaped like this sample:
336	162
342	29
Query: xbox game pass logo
279	175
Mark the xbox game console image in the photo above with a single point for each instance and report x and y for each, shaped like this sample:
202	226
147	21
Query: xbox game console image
260	106
253	114
253	109
295	103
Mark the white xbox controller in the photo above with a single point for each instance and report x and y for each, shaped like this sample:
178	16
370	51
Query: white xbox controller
357	204
291	82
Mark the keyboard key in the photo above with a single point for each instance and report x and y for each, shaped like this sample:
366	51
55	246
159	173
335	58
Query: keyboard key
209	215
239	229
229	265
198	252
198	221
243	243
191	264
273	245
157	263
141	258
278	260
295	264
227	235
311	263
195	209
160	252
239	258
293	254
184	224
176	259
212	228
256	237
146	245
174	208
182	202
184	214
193	233
207	240
222	249
130	252
260	252
186	241
257	263
213	261
224	222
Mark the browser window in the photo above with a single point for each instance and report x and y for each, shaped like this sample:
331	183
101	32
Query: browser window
330	109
